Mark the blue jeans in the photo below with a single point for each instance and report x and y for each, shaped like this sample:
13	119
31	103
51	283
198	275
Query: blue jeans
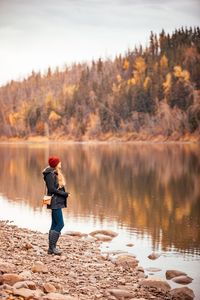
57	220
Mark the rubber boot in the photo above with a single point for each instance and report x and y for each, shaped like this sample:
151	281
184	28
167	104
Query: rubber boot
53	238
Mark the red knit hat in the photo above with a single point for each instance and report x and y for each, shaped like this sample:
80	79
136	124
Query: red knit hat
54	161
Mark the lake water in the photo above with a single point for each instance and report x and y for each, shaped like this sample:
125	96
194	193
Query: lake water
148	193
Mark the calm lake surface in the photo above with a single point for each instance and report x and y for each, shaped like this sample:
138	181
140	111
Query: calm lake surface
148	193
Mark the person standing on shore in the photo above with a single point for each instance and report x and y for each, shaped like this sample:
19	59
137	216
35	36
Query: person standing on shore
55	183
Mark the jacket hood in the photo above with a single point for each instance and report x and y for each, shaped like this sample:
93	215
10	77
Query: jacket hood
48	170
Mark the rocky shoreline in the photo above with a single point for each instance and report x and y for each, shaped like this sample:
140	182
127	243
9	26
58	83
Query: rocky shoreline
81	272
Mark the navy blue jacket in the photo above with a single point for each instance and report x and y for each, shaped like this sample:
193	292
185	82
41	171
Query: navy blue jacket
59	199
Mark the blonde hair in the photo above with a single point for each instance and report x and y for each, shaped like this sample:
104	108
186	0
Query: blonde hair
61	178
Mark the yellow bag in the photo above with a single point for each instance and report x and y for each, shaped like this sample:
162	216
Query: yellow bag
46	200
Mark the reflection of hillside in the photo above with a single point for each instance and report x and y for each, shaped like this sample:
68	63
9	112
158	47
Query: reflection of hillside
153	188
20	173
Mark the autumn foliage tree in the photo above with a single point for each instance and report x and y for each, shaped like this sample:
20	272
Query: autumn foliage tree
153	89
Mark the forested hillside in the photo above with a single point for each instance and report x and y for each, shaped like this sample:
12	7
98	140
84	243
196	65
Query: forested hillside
145	94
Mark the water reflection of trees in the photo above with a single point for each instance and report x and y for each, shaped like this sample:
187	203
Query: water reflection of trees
153	188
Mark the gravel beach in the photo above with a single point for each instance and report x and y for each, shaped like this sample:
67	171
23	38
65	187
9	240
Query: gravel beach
81	272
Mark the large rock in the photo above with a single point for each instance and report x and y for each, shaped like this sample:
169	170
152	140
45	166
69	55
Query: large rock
119	293
130	245
153	270
6	267
39	267
103	237
88	238
20	284
154	255
75	233
27	275
173	273
49	288
113	257
157	283
24	292
25	284
56	296
184	279
27	293
183	293
11	278
105	232
125	260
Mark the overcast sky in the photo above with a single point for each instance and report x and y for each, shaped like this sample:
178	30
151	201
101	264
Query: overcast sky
35	34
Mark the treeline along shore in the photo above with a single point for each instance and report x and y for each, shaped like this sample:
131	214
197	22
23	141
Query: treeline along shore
147	94
81	272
